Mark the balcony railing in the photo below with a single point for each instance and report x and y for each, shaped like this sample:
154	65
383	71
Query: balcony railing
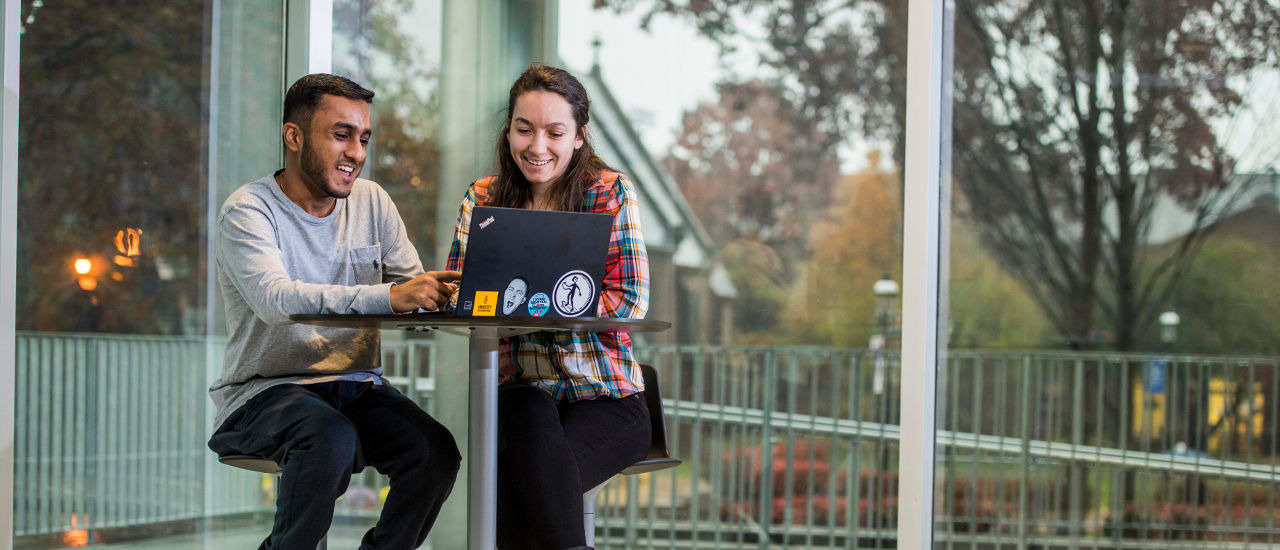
782	447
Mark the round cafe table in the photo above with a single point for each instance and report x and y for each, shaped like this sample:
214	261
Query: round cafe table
482	421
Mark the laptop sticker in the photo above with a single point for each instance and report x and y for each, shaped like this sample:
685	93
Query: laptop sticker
486	303
573	293
514	295
538	304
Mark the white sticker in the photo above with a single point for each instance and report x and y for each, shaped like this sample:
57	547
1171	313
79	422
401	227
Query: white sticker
514	295
573	294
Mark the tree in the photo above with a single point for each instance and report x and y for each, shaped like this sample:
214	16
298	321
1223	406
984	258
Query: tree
842	63
112	119
752	178
1083	114
1232	311
856	241
1071	118
739	162
977	282
114	111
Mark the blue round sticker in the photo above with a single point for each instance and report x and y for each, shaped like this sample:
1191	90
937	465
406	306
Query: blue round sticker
538	304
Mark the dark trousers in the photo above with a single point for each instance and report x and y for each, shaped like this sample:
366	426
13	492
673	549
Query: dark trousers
550	452
320	433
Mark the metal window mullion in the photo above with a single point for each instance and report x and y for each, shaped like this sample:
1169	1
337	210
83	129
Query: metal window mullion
1172	401
308	38
766	448
1275	417
20	516
833	449
1024	433
149	392
58	439
1001	430
857	364
80	485
134	441
43	479
1118	503
696	432
676	368
976	454
1099	441
789	475
1248	455
721	392
118	490
813	444
922	264
1076	496
10	464
731	435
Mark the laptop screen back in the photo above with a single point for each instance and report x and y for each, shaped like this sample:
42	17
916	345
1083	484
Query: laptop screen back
533	263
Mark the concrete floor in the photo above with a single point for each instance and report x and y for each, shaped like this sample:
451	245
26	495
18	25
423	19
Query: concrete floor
341	537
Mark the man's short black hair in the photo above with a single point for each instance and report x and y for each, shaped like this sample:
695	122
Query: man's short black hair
303	97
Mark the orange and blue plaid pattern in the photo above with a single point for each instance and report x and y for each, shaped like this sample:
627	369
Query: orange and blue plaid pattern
581	365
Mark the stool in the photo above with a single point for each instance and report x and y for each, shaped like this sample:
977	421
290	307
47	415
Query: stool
659	457
259	464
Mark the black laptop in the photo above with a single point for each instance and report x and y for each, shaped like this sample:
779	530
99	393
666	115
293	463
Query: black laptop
533	263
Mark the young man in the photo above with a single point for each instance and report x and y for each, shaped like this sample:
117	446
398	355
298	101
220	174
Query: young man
312	238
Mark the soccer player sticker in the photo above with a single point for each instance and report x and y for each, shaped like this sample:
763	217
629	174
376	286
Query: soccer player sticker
539	304
573	294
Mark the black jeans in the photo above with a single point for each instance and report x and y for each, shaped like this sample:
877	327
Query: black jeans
550	452
320	433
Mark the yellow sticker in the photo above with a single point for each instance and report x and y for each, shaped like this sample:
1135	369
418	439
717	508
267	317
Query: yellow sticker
486	304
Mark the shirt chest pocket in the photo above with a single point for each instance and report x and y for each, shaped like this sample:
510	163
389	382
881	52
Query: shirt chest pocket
366	262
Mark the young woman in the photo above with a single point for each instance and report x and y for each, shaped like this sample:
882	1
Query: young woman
570	413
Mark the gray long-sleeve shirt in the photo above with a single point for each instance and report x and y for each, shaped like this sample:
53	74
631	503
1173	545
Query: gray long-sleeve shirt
275	260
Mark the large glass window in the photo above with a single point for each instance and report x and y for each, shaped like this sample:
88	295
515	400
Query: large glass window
135	121
393	48
766	141
1111	379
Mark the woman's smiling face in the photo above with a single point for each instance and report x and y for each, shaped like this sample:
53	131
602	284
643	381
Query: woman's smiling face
543	136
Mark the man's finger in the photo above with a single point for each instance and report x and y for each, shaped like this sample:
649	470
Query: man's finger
445	276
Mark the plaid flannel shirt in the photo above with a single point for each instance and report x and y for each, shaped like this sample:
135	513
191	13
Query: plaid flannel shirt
591	364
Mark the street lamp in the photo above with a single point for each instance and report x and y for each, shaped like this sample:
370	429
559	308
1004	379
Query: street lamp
886	291
1169	328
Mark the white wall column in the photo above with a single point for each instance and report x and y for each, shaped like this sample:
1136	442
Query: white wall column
922	207
308	38
8	258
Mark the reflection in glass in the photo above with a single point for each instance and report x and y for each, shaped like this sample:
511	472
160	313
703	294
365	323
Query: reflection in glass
119	162
393	48
1114	183
778	126
112	118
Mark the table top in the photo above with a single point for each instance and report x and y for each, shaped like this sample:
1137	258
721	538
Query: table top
500	326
